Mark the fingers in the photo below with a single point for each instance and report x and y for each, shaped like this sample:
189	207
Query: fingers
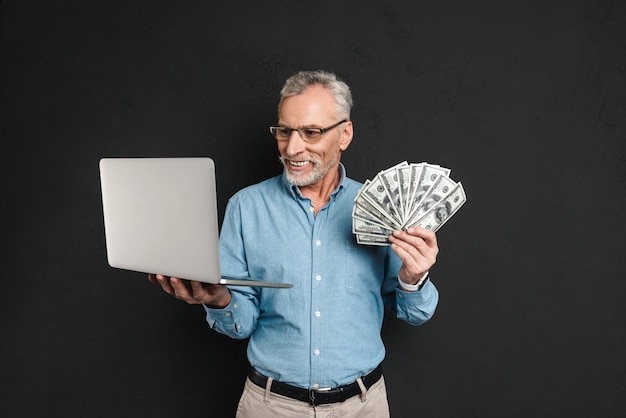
417	248
172	285
200	291
426	234
181	289
166	283
192	292
421	239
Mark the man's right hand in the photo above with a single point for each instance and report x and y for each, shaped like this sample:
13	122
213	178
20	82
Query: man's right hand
193	292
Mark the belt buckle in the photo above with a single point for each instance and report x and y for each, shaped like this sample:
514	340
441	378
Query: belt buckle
312	392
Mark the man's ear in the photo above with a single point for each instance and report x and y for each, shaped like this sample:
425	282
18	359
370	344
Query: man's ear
347	131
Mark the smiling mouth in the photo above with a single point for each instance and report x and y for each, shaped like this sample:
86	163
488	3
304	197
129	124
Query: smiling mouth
298	163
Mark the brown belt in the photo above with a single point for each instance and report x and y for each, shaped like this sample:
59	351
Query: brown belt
315	396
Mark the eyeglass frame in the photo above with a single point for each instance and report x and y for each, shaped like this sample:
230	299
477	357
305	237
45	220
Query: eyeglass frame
322	131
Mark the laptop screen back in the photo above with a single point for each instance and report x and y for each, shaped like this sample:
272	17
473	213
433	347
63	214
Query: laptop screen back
160	216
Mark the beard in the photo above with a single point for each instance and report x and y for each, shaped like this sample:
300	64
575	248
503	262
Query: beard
317	173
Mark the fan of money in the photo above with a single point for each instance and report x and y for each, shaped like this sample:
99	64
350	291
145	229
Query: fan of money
403	196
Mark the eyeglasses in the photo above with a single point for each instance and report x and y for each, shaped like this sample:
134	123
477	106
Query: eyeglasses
283	133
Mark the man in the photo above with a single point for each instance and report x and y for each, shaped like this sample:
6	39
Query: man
314	349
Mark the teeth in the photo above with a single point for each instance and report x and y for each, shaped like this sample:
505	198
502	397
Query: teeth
299	163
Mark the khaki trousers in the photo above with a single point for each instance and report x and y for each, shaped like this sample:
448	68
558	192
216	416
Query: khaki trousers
257	402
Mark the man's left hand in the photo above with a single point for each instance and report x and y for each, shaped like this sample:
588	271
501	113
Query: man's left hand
417	248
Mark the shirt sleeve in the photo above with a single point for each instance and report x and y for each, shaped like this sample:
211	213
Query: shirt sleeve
238	319
414	308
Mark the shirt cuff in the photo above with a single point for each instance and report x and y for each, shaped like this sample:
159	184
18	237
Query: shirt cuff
413	287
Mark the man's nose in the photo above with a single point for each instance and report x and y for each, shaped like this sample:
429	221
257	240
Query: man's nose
295	144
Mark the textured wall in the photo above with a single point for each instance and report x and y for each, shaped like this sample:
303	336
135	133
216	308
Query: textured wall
525	101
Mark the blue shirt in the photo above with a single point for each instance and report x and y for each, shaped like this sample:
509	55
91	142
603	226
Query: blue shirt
325	331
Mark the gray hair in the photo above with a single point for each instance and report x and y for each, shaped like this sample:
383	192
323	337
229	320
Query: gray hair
340	91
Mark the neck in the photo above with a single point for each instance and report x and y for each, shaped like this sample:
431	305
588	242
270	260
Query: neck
319	193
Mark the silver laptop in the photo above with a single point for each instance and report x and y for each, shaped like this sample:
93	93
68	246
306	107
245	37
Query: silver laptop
160	216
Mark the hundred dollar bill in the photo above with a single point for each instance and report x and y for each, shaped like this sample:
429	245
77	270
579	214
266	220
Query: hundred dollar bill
372	240
375	192
406	176
403	196
427	177
364	209
363	226
443	210
437	191
391	182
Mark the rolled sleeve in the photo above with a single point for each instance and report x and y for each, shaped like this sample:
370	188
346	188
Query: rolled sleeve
415	308
237	320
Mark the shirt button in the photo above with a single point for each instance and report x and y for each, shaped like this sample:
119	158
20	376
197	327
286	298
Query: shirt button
318	242
316	352
318	313
316	386
311	209
318	277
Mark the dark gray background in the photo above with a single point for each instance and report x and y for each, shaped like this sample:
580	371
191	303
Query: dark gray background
525	101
